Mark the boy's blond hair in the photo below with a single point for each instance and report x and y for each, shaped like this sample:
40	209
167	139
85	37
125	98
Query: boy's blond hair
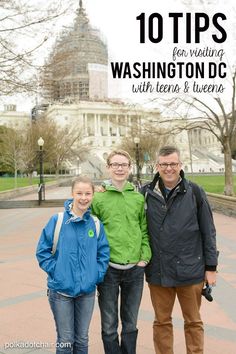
118	152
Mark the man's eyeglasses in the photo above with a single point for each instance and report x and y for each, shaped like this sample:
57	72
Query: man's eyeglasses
172	165
116	165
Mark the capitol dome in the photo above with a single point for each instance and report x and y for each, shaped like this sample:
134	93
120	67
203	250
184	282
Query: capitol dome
77	67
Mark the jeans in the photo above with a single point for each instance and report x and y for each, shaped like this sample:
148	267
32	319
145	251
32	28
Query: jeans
190	302
72	318
129	285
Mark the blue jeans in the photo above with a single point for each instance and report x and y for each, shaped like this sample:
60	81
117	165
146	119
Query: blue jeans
129	284
72	318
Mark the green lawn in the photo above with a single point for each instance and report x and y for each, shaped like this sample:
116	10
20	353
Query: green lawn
7	183
211	184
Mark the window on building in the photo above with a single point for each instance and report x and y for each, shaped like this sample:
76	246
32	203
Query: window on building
9	107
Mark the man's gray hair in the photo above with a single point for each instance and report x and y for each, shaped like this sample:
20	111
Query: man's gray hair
168	150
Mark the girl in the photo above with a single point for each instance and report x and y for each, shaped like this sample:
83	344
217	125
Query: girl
79	263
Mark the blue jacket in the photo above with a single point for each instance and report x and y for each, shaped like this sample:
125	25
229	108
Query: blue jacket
81	258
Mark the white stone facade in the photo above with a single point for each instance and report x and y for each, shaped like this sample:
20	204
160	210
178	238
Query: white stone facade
11	118
104	124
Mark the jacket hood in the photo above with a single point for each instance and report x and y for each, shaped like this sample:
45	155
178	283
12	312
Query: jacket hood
68	206
110	187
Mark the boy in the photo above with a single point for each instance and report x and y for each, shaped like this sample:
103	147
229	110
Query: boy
121	210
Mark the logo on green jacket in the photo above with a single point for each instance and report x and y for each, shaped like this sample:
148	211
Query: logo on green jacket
90	233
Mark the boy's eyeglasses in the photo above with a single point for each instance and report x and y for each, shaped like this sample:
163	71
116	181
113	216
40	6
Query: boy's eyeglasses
116	165
172	165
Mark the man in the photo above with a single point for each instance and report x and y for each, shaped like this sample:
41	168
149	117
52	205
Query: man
121	210
184	255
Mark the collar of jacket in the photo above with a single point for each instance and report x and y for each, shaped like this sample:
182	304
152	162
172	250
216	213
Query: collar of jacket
127	187
157	179
68	206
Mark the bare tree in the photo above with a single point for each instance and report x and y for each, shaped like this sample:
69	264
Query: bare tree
11	151
214	115
23	29
150	142
61	145
19	150
67	148
233	145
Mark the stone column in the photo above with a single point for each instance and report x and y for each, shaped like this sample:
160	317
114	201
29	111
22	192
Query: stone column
108	126
98	124
126	125
95	125
117	126
85	122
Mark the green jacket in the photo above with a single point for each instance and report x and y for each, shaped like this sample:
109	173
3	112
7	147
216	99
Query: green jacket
123	216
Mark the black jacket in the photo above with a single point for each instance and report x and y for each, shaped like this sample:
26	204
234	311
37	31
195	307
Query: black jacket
182	234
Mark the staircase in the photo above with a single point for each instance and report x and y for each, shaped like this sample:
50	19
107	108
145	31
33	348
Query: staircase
94	167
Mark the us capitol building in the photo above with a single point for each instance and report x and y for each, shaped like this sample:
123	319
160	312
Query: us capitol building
75	93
